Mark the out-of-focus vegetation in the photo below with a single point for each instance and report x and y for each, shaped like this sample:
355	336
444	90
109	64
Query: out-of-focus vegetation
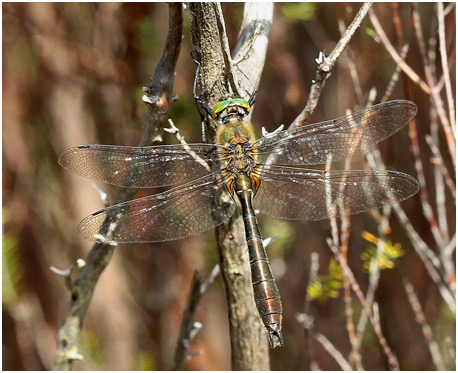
327	286
385	258
296	12
72	74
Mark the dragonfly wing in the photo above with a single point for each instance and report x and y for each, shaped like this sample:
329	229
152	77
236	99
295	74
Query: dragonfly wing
140	167
302	194
190	209
336	139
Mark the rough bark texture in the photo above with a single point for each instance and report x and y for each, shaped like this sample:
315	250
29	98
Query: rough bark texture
249	346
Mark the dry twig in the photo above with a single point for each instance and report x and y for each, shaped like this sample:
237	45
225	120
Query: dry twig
326	64
189	327
307	324
159	101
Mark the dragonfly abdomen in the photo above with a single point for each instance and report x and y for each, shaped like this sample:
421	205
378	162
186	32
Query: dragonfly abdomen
266	294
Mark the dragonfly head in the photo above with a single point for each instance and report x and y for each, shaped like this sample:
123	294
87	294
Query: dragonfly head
230	108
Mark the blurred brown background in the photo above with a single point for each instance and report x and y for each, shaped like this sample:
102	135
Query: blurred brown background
73	74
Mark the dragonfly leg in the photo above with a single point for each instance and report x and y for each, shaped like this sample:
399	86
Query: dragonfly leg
251	95
194	90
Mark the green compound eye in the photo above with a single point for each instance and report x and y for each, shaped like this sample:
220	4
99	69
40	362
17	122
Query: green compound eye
222	105
241	102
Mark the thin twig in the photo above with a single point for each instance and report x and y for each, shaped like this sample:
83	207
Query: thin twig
374	270
314	267
450	247
421	319
349	61
307	323
392	360
175	131
326	64
160	96
395	56
432	263
350	326
395	77
429	258
66	273
431	85
188	327
440	173
446	72
342	242
424	198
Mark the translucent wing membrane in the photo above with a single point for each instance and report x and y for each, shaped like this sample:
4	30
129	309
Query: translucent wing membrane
336	139
285	192
177	213
141	167
302	194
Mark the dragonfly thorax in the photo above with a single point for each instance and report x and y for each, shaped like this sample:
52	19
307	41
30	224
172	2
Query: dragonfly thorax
240	164
234	130
241	159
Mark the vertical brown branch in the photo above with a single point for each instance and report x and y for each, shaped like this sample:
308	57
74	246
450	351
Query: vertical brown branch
159	100
249	349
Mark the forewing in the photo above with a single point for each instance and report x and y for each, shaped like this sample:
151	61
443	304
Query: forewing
140	167
177	213
301	194
336	139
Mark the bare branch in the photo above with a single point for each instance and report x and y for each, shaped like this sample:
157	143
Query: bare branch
392	360
440	161
251	47
175	131
429	88
249	349
228	65
395	77
160	95
445	69
326	65
188	328
314	267
395	56
247	49
307	324
421	319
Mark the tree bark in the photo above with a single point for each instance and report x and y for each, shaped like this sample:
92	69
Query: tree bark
249	347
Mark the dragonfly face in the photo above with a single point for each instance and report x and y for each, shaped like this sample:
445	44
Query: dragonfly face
227	108
269	174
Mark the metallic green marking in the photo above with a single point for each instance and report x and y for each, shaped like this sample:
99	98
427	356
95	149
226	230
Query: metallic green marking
223	105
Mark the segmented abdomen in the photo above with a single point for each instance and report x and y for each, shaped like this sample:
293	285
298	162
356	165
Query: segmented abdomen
265	290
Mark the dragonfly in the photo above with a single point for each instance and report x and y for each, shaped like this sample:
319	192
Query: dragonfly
271	175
